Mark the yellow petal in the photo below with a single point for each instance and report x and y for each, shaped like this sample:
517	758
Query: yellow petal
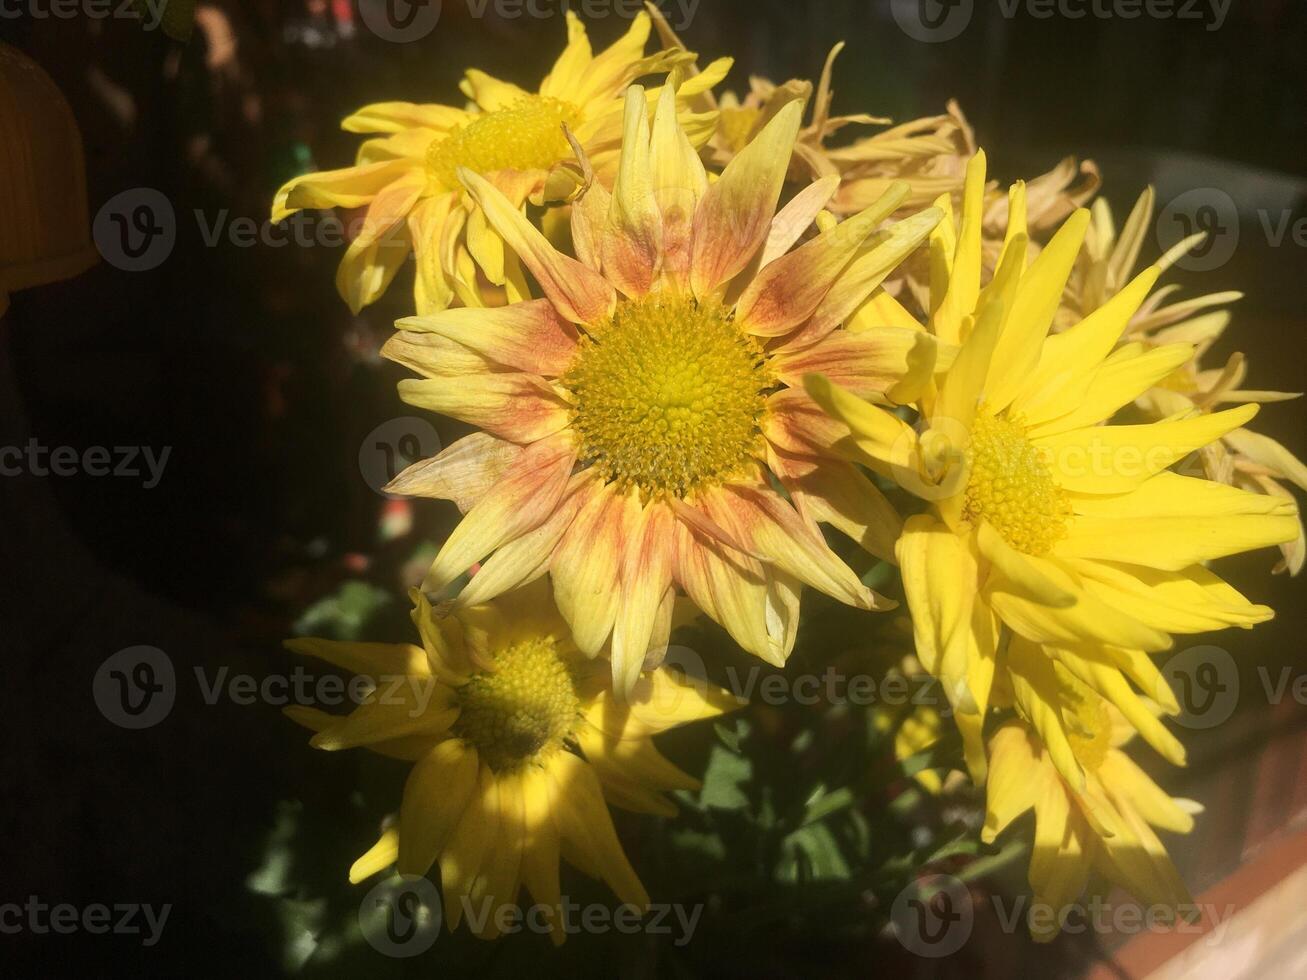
1031	315
586	827
379	856
435	796
1115	459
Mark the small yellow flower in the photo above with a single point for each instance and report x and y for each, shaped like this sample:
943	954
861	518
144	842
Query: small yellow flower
406	176
517	742
1044	523
1104	826
635	417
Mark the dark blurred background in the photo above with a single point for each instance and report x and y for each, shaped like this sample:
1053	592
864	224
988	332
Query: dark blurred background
245	363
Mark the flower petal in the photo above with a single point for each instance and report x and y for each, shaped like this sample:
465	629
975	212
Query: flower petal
578	292
520	502
529	336
733	219
435	796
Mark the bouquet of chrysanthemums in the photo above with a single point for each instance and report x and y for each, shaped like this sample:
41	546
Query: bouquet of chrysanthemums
713	357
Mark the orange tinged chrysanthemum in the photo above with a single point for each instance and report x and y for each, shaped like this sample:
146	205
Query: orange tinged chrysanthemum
636	417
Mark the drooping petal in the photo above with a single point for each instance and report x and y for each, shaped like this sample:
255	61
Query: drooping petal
350	187
395	117
462	472
774	529
525	559
834	492
940	582
435	796
586	827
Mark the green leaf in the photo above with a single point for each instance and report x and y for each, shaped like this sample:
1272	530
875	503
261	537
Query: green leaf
812	854
723	778
345	615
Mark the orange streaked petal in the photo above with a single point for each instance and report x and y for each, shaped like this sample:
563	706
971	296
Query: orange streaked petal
789	290
518	407
734	218
835	492
578	292
797	217
529	336
631	249
775	530
521	501
646	576
586	567
679	183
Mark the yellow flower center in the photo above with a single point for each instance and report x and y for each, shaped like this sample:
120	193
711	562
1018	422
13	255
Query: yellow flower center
668	394
527	135
1085	715
1011	486
521	710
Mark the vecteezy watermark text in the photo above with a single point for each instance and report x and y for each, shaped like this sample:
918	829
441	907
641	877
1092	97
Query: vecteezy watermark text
401	916
151	18
120	919
935	21
35	459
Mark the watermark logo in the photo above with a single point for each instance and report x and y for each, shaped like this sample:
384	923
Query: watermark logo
1205	680
400	21
933	916
1208	211
394	445
932	21
401	915
136	687
136	230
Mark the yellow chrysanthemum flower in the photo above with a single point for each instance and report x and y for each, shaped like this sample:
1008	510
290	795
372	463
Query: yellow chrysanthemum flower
1105	826
1242	458
517	742
635	416
407	176
1043	522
